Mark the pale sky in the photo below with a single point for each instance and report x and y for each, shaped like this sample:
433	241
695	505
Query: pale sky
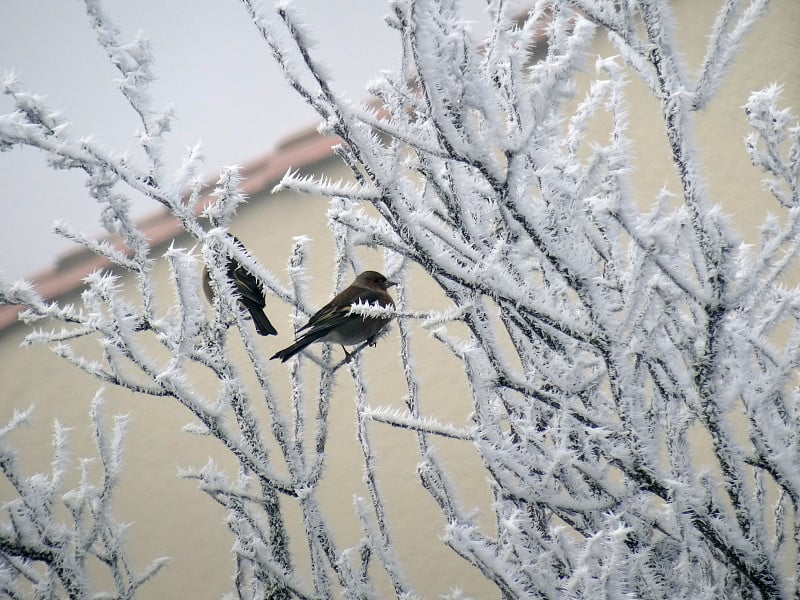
212	65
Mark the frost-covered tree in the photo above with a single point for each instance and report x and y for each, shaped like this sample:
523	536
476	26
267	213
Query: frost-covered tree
47	555
597	331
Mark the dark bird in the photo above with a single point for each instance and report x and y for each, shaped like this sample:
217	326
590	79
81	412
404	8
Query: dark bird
333	323
248	291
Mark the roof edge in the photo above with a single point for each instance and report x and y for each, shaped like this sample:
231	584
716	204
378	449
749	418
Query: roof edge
302	149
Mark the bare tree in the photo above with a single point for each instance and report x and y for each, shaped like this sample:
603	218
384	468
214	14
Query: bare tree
46	555
625	328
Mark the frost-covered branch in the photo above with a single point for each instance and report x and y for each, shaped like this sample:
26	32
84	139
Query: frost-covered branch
613	315
598	341
51	537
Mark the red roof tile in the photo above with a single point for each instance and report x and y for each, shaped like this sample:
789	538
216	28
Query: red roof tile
260	175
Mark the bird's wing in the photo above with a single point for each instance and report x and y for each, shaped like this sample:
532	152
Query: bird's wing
327	317
335	312
246	284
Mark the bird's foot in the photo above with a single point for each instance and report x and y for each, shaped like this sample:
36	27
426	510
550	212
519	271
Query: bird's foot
348	356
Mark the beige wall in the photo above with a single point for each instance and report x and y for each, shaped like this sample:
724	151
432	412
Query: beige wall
171	518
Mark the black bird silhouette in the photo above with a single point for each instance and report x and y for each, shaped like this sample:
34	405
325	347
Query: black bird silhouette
247	290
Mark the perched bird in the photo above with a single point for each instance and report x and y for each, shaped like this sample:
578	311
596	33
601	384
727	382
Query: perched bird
333	323
247	289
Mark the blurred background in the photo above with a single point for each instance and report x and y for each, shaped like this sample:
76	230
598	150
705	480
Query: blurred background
211	64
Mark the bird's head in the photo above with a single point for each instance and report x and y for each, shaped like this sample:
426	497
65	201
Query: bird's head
373	280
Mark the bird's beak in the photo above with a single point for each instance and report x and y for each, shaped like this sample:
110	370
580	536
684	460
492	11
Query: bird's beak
390	284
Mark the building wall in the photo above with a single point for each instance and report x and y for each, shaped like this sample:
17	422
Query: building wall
171	518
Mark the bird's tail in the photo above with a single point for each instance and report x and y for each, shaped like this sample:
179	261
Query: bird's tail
309	338
260	320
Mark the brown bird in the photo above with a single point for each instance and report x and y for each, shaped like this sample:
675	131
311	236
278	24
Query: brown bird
248	291
333	323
